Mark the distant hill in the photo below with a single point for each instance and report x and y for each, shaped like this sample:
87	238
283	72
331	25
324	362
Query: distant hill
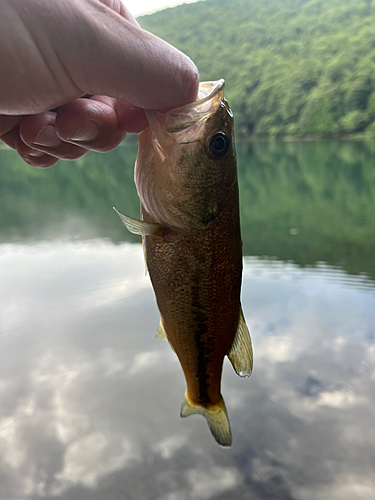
293	67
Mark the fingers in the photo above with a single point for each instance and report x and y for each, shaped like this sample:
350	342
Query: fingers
69	49
90	123
36	141
83	47
96	124
87	47
33	157
130	118
8	123
38	133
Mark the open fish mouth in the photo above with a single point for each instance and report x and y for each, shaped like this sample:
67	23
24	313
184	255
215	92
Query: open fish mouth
190	118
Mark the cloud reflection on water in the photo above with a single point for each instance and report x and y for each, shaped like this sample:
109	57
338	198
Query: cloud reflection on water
89	400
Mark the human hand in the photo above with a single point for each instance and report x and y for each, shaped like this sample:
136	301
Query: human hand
52	53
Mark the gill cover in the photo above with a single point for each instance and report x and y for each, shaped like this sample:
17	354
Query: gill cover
181	163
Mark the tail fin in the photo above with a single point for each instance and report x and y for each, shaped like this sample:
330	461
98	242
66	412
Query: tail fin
216	416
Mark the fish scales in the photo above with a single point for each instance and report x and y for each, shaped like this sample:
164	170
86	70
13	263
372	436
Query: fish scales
186	178
194	276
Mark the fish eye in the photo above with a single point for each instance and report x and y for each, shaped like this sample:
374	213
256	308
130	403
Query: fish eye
218	144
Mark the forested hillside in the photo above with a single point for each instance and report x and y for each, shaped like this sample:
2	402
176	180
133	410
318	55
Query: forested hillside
292	67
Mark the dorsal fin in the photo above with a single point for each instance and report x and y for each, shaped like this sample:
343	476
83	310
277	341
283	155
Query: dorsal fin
241	352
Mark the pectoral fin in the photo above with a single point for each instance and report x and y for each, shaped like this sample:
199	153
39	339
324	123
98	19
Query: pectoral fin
140	227
241	352
216	416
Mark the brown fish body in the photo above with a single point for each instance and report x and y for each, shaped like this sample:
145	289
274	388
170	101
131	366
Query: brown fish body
197	279
186	178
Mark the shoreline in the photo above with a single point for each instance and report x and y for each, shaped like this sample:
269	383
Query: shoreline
361	137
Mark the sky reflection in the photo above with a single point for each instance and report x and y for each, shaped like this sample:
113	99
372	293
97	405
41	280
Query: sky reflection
89	400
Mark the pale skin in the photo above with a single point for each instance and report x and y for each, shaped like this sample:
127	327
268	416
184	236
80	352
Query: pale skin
53	53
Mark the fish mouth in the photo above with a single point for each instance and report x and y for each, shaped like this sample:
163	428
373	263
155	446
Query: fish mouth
194	114
206	92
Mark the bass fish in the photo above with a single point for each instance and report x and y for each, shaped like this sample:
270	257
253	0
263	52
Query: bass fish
186	178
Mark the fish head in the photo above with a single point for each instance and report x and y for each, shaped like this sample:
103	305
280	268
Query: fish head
191	160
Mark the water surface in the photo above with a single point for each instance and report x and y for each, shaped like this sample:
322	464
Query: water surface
89	400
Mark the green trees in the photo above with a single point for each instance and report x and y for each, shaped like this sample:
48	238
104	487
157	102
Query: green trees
292	67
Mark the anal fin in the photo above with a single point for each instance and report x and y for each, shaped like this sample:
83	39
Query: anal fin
144	253
136	226
241	352
160	332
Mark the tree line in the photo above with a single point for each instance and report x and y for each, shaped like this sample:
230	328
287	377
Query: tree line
301	68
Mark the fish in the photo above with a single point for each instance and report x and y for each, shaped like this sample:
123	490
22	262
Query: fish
186	179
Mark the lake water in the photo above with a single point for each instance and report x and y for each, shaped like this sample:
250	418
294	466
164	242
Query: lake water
89	400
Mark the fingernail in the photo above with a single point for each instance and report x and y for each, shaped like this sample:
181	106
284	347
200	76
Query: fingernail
87	133
47	137
36	153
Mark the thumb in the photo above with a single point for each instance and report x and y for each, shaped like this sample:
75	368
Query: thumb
121	60
63	50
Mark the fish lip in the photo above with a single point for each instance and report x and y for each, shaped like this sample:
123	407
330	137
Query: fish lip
183	117
207	90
